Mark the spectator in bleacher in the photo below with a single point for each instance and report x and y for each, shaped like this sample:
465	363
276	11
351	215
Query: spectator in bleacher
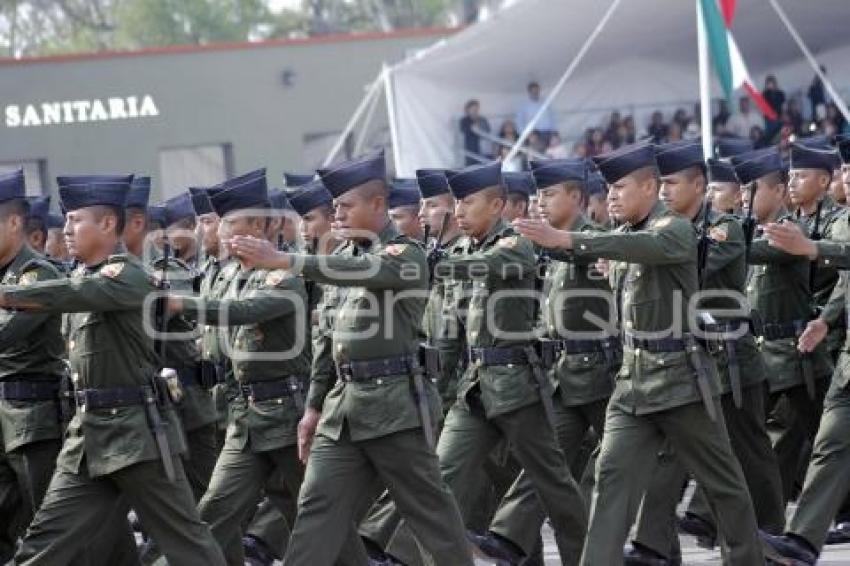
595	142
741	124
580	149
833	114
513	165
758	137
508	131
817	93
535	142
674	132
631	131
681	118
718	123
775	98
657	129
528	110
614	124
473	143
794	115
556	149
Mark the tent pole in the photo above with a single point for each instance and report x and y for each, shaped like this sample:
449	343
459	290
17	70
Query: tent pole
704	84
839	102
367	121
371	93
562	81
390	94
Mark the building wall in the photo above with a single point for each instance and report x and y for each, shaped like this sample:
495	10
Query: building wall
234	99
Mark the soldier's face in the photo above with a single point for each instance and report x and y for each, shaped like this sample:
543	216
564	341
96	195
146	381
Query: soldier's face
135	230
837	188
679	192
845	176
433	211
11	226
55	246
630	197
315	225
208	228
406	221
84	232
768	200
806	185
725	196
354	213
476	213
558	205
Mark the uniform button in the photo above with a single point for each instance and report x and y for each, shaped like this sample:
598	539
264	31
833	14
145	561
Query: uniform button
72	344
826	262
552	327
114	412
474	334
582	247
661	362
75	377
547	301
586	359
510	366
280	401
750	289
339	347
379	381
628	324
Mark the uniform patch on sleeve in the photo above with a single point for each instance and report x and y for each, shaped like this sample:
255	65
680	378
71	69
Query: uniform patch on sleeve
28	278
719	233
275	277
396	249
509	242
112	270
662	222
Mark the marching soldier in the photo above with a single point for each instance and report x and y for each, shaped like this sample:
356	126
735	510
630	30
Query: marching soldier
365	427
666	389
403	204
124	440
723	187
32	409
723	269
581	356
137	223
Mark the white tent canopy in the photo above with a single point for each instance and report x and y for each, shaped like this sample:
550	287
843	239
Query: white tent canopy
645	56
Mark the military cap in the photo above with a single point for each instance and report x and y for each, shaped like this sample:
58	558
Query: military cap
843	143
519	182
200	200
81	191
178	207
140	192
347	175
157	215
809	157
727	147
678	156
403	192
309	196
39	208
756	164
12	185
55	221
554	171
432	182
595	183
292	180
720	171
475	178
820	141
239	193
278	200
617	164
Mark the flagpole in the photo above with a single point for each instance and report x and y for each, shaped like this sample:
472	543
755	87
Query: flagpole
704	84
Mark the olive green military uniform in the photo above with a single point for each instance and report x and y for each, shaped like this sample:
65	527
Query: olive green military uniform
267	322
827	484
743	410
370	430
196	409
498	397
31	366
110	454
778	292
582	375
657	396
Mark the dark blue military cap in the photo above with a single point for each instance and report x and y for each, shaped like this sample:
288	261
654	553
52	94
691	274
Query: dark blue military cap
809	157
292	180
200	200
475	178
519	182
81	191
554	171
678	156
157	215
819	141
842	141
278	200
140	192
432	182
403	192
727	147
12	185
239	193
618	163
752	166
720	171
39	208
595	183
309	196
347	175
178	207
55	221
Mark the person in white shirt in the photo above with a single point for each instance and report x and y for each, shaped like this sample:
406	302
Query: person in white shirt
741	124
528	109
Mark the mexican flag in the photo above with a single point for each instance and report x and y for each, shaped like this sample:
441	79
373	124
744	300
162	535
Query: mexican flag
728	63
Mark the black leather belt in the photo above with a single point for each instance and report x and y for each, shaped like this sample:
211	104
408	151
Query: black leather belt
109	397
654	345
727	330
551	350
19	390
369	370
780	330
497	356
257	391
